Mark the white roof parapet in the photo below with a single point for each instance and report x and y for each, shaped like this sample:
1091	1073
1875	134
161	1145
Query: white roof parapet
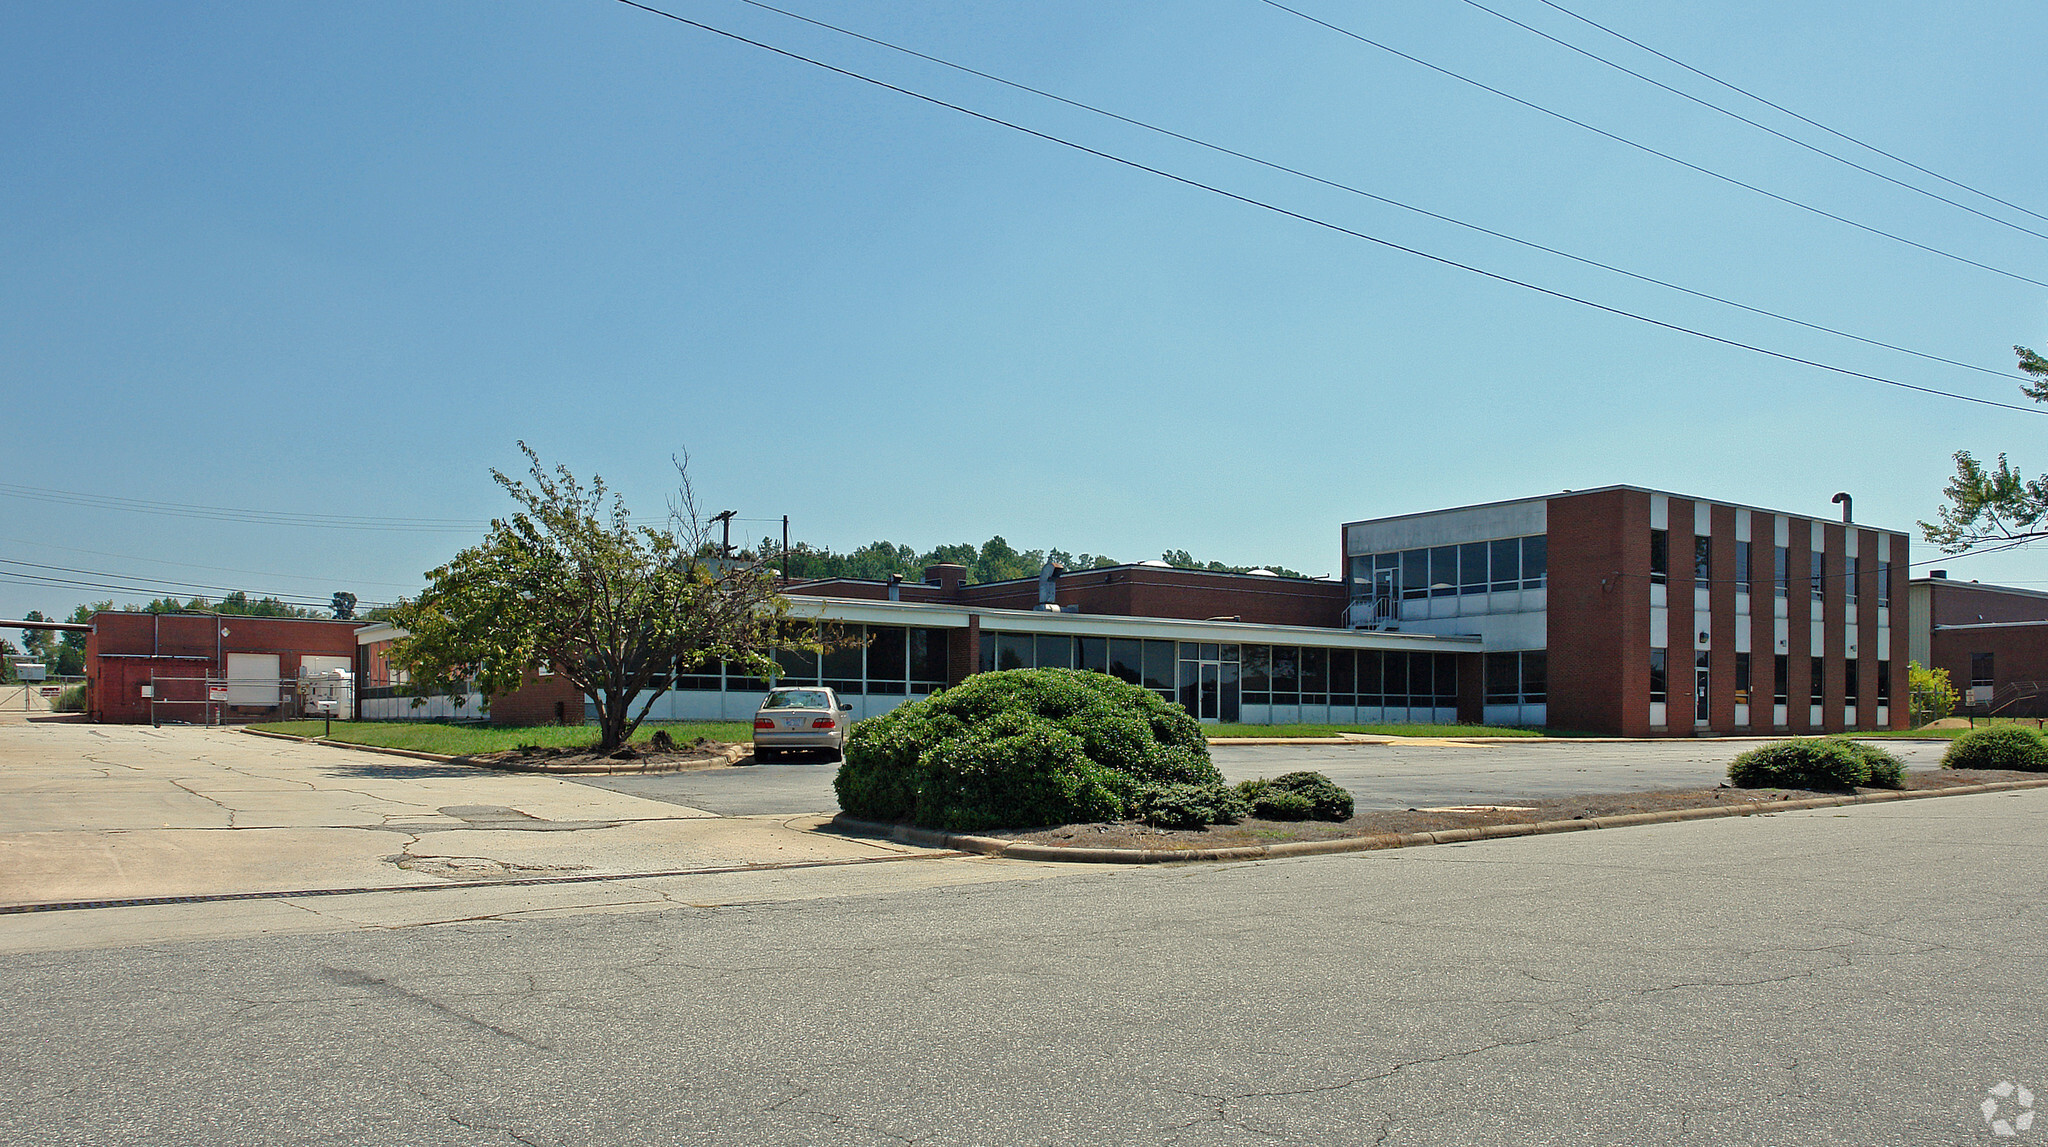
950	615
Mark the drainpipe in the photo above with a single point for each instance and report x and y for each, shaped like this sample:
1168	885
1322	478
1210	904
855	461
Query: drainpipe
1846	502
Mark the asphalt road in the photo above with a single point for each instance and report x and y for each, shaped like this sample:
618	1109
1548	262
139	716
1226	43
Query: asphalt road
1848	976
1379	776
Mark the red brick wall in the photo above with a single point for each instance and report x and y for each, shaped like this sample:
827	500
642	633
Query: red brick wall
2017	654
1966	603
1194	595
1599	612
123	647
539	701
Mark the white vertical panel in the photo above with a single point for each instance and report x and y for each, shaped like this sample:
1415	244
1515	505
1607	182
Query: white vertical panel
1660	628
1849	542
1820	536
1703	633
1657	714
1781	534
1849	642
1660	512
1781	636
1742	638
1742	533
1816	638
1703	519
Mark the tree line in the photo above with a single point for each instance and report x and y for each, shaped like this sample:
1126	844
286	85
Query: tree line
993	560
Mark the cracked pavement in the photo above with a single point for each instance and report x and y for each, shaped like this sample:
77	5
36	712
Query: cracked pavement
1858	975
113	812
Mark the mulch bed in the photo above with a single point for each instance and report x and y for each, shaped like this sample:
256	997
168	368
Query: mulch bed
1129	834
641	756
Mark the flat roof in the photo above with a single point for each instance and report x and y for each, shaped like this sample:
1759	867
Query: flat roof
1978	585
1606	489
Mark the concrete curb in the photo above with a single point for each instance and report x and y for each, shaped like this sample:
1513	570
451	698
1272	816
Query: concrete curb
733	754
1027	850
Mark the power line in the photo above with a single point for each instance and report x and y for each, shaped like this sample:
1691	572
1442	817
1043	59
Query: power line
1354	190
228	514
123	583
1711	106
196	566
1647	149
1323	223
1867	146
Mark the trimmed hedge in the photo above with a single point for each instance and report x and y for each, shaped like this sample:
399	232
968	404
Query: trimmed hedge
1998	747
1825	764
1296	796
1189	806
1022	748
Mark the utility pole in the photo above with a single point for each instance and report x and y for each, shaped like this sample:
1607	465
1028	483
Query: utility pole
725	517
786	575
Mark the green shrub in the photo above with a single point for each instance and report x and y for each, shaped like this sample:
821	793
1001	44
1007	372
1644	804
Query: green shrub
1021	748
1296	796
71	700
1825	764
1188	806
1998	747
1881	770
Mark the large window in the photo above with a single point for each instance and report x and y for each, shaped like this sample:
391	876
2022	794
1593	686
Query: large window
1781	670
1850	691
1820	682
1660	556
1819	575
1307	675
1660	688
881	659
1850	569
1742	679
1884	585
1884	682
1515	678
1702	561
1497	566
1744	554
1981	672
1783	579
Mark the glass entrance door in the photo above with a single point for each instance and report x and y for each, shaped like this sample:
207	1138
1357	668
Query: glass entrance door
1208	680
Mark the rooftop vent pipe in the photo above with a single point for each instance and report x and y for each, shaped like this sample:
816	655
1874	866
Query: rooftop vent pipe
1846	502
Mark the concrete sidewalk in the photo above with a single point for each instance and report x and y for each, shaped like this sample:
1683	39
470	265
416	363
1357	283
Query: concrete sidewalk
109	812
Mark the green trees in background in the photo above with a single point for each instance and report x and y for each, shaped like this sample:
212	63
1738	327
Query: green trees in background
993	560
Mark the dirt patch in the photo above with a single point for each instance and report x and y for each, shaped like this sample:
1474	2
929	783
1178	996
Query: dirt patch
676	757
1372	822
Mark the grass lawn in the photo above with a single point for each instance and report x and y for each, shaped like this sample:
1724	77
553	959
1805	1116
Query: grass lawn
1221	732
458	740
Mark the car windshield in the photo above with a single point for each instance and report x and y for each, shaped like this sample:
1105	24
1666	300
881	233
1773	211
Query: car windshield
797	699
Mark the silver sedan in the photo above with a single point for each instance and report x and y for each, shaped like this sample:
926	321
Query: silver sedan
800	717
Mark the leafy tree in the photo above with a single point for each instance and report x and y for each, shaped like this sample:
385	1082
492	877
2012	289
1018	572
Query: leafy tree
569	581
36	642
1934	697
1997	504
7	655
344	606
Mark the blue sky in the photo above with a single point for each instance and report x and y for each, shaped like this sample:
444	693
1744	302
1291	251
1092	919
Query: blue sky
338	260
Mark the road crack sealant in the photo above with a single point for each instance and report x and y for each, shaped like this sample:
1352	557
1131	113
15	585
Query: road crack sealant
523	882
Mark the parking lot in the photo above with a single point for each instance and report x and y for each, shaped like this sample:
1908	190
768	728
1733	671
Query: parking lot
1393	776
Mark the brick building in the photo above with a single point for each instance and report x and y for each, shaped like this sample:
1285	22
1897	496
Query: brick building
1621	611
1640	613
203	668
1992	639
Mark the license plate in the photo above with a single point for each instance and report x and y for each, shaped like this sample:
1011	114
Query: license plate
793	723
